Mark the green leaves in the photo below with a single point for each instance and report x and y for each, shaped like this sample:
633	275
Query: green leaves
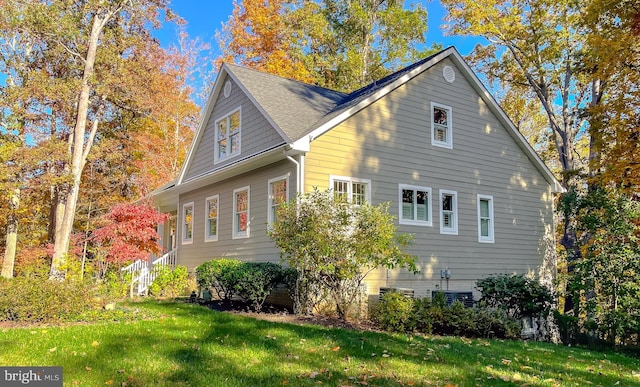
335	244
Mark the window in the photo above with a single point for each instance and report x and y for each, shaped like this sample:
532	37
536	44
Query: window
415	205
211	225
485	219
241	213
448	212
278	194
441	133
187	223
357	191
227	136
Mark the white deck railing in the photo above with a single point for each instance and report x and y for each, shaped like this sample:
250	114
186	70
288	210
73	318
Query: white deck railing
145	271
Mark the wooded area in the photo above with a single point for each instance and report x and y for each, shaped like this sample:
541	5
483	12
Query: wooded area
96	114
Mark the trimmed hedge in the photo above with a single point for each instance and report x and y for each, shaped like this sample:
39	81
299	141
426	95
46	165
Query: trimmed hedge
398	313
251	281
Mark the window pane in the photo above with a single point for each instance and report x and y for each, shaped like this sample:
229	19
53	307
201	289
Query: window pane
359	193
241	201
235	143
242	221
340	189
447	219
440	116
440	133
279	192
484	227
234	122
447	203
213	227
484	208
212	206
407	204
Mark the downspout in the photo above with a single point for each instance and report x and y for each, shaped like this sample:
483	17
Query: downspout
298	173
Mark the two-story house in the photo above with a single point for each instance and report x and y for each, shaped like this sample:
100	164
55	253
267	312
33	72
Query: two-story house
429	139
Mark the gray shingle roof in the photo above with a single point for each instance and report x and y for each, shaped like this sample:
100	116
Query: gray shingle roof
297	107
294	106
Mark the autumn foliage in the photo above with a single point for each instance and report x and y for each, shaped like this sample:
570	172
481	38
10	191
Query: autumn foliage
130	233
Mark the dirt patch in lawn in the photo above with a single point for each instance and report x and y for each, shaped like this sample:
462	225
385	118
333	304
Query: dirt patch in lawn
282	314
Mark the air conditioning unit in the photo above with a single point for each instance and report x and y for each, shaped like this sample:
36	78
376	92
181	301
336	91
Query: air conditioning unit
406	292
465	297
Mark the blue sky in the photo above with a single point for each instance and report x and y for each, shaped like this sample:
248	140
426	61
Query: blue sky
204	17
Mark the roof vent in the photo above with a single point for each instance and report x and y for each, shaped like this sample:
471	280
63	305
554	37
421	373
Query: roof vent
227	89
448	74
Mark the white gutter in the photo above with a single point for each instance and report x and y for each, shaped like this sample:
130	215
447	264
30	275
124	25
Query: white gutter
298	173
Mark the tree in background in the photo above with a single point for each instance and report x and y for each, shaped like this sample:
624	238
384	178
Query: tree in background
579	59
338	44
334	245
85	73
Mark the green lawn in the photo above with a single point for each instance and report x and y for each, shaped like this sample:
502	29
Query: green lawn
188	345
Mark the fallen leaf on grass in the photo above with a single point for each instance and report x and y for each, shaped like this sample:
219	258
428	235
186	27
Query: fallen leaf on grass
53	349
95	344
88	368
335	349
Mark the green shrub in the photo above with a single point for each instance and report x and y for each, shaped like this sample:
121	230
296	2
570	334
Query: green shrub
170	283
495	323
220	274
256	280
423	319
433	316
115	285
394	312
38	299
518	295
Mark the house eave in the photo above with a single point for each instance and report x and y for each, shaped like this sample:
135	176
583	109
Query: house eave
167	199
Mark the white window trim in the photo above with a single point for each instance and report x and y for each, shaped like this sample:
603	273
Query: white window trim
411	222
454	230
270	219
183	229
491	237
448	144
351	180
207	237
216	158
241	234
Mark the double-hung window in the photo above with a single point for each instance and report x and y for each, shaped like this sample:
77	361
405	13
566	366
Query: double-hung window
227	136
441	128
187	223
241	213
212	205
356	191
278	195
415	205
448	212
485	219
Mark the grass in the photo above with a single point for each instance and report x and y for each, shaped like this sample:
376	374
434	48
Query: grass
189	345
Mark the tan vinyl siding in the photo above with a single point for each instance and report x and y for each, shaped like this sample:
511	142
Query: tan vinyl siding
389	143
257	134
258	247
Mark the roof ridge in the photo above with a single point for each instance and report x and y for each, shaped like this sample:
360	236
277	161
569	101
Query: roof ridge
266	73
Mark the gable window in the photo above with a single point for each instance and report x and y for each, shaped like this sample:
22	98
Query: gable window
211	227
485	219
356	191
278	195
241	213
227	136
415	205
441	132
187	223
448	212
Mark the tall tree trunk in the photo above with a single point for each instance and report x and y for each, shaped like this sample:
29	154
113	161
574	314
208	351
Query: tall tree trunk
79	150
12	235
